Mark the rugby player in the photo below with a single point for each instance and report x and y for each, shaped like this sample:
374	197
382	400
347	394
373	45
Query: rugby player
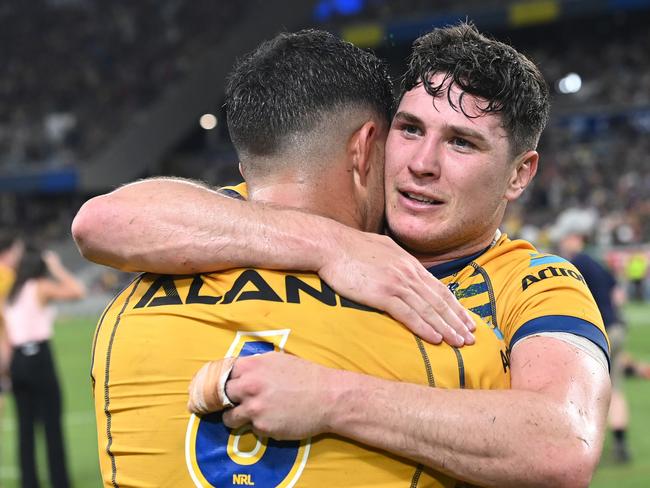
318	147
461	146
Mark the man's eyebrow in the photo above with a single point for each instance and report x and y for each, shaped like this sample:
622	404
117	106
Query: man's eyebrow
408	117
466	131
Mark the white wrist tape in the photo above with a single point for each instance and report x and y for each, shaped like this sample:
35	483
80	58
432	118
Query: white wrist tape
208	387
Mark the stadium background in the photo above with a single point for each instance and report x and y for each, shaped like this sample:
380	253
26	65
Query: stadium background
95	94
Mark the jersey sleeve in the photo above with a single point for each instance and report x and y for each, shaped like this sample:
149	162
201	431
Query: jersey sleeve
550	295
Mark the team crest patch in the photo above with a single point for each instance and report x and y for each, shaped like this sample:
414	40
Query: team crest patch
217	456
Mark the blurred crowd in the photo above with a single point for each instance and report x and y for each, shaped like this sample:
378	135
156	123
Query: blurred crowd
595	154
76	70
96	65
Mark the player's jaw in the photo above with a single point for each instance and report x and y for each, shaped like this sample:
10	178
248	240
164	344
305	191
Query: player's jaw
415	214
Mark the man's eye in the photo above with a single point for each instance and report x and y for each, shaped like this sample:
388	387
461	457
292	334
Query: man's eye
411	130
462	143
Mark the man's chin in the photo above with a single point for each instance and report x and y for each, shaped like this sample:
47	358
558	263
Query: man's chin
412	240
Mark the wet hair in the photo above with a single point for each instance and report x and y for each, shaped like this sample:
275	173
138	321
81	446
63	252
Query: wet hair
31	266
511	85
290	84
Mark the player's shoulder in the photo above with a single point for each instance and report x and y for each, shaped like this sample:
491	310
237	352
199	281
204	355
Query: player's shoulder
518	262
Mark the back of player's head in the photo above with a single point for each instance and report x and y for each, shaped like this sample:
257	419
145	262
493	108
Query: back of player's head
286	89
511	84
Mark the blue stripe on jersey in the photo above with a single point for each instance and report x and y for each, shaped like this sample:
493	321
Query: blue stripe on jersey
471	290
443	270
562	323
538	261
482	311
485	312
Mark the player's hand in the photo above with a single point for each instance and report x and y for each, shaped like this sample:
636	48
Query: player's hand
280	395
373	270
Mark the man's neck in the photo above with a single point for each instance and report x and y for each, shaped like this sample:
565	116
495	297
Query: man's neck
444	256
322	198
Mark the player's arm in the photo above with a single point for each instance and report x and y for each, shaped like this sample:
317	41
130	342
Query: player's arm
62	285
178	226
546	431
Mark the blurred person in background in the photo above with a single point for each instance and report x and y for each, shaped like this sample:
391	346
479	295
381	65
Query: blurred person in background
609	297
11	250
40	280
636	270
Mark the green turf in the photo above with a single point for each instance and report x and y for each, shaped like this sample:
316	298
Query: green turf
72	343
637	473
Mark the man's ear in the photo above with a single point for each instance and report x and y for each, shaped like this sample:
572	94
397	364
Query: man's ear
522	174
360	149
241	171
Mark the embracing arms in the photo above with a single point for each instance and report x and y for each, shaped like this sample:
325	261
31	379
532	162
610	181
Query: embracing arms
546	431
178	227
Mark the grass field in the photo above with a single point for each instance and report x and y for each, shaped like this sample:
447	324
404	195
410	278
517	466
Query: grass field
72	343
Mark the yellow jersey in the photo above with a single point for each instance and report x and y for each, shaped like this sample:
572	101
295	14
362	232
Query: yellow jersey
160	330
520	292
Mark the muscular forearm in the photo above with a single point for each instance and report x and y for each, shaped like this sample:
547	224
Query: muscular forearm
484	437
539	434
176	226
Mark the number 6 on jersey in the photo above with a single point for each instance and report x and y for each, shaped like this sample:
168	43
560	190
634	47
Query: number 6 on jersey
219	457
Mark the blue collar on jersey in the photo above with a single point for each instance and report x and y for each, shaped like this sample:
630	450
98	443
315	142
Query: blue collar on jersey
443	270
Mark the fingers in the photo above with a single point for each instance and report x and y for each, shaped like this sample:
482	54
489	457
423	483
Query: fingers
407	315
207	390
430	310
235	418
450	313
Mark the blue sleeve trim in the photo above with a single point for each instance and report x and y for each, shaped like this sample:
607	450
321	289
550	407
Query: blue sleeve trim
563	323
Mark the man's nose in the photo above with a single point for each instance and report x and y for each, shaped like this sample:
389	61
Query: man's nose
425	162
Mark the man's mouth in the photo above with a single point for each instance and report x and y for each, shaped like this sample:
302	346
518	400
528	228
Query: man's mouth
421	198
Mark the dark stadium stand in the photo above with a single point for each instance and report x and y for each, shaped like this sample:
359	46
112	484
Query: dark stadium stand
100	73
77	70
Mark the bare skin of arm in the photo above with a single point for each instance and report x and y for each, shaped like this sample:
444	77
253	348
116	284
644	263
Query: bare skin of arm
62	286
177	227
547	431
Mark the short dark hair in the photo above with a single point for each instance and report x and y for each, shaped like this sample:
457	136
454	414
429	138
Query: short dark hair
510	83
289	83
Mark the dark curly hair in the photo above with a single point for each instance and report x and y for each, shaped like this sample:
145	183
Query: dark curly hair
511	84
288	84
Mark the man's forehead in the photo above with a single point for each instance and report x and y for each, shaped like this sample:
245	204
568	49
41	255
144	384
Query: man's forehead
421	104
